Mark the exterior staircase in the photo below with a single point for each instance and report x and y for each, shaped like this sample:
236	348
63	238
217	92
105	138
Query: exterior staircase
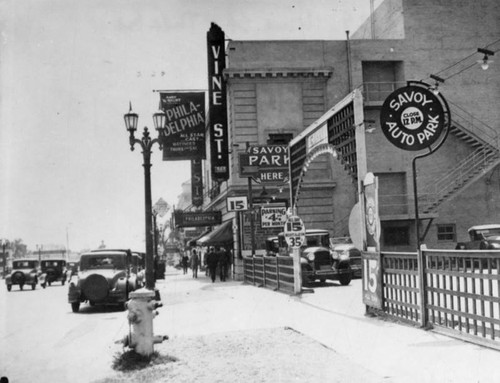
484	158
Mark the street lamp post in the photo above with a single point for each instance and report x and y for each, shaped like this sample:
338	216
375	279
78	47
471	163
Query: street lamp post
39	248
146	143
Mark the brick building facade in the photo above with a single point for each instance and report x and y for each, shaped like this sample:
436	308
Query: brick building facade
276	89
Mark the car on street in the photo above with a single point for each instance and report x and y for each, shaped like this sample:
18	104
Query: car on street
317	260
105	277
53	270
72	268
24	272
343	249
482	237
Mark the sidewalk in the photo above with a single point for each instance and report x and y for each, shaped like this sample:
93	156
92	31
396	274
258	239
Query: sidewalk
334	317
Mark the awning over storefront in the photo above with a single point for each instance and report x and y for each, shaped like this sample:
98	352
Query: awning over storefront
192	242
223	234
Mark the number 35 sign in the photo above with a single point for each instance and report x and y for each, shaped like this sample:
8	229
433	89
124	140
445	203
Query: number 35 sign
295	232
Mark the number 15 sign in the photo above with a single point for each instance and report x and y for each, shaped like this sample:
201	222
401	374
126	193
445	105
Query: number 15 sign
295	232
239	203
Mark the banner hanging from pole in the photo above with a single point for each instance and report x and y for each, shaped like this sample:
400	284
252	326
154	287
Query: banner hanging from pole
185	125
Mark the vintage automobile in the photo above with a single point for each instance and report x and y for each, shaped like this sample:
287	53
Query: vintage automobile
72	269
24	272
316	259
53	270
343	249
104	278
482	237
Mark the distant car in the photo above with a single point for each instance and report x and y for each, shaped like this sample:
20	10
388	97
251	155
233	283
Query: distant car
104	278
53	270
72	269
347	251
24	272
482	237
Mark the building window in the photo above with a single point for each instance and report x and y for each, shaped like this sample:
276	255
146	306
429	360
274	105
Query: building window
279	138
396	236
446	232
381	78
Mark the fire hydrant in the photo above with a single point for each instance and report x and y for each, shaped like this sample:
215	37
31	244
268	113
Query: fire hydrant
141	311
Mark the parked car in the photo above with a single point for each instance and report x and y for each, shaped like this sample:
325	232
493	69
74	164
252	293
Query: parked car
482	237
104	278
53	270
316	259
24	272
72	269
345	250
272	246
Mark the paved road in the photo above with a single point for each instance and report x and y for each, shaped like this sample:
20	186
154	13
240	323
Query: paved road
42	340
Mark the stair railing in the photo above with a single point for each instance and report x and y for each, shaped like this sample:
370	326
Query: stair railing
457	177
465	120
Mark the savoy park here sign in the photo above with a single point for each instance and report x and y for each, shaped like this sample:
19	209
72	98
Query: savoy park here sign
266	164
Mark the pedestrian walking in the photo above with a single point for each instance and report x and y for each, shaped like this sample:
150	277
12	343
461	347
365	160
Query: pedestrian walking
223	261
185	262
195	260
205	263
212	261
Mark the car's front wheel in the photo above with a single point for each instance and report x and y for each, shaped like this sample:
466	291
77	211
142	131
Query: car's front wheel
345	279
75	306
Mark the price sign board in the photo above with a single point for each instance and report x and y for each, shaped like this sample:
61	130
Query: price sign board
239	203
295	232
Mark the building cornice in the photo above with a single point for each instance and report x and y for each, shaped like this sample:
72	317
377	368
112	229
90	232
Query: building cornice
277	72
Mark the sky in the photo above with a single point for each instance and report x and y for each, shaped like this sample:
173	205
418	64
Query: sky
68	70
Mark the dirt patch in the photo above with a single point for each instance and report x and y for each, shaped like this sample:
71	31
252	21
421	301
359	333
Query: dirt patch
265	356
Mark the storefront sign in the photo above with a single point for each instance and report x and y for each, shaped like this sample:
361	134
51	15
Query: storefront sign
219	152
196	183
265	164
193	219
185	125
412	118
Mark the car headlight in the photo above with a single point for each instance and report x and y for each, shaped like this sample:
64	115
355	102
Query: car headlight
344	255
310	256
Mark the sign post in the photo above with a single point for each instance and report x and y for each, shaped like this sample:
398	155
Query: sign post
295	236
413	118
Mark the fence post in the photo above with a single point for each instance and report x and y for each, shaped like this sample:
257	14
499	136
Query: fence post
277	273
253	270
423	288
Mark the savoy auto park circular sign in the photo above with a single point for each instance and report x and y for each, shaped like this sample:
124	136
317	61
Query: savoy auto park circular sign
412	118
